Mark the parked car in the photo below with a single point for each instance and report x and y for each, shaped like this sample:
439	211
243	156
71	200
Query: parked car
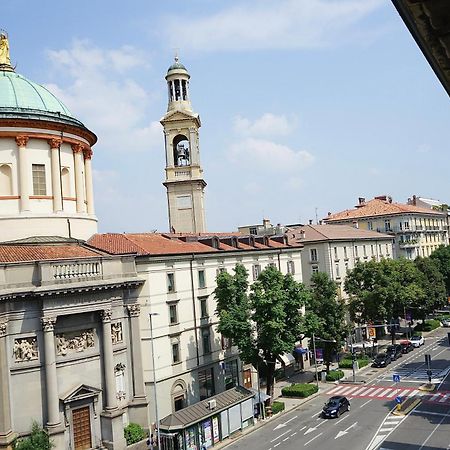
381	360
406	346
335	406
417	341
446	323
394	351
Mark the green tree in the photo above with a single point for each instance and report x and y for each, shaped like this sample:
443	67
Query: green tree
38	440
325	316
264	323
442	256
433	285
381	291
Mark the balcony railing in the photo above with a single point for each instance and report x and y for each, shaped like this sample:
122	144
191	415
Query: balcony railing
76	270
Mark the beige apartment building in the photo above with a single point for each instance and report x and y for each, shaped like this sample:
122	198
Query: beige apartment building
417	230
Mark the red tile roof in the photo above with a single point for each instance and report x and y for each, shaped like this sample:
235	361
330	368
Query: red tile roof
22	253
378	207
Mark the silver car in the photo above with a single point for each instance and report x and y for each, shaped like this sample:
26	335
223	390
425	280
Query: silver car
417	341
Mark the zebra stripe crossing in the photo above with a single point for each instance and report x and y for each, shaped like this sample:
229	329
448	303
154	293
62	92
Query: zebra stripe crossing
383	392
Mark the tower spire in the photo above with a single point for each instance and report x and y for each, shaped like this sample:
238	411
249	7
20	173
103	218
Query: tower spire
5	59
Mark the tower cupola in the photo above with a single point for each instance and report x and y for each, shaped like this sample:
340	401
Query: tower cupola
178	86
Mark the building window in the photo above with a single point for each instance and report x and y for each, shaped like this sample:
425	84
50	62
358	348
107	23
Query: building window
338	275
364	250
346	267
231	374
313	254
345	252
206	340
175	352
253	230
256	270
387	225
204	307
406	225
369	225
173	314
291	267
170	282
379	248
206	383
387	249
201	279
39	187
335	253
315	269
371	250
356	251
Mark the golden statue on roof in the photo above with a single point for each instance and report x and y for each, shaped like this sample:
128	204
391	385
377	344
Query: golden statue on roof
5	59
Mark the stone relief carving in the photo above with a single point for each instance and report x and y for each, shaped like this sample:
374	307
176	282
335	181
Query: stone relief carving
25	349
2	329
119	371
116	333
74	342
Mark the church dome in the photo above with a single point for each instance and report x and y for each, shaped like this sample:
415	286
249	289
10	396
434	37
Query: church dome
176	66
20	97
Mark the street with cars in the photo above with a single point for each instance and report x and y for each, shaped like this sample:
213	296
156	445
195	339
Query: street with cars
365	419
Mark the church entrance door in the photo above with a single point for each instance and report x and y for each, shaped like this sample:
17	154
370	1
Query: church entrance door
81	421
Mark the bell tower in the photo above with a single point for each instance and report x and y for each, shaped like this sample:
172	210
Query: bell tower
184	176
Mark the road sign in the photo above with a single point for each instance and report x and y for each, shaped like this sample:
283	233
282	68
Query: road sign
398	399
396	378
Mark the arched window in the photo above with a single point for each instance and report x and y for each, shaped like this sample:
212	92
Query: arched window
5	179
179	395
181	151
65	181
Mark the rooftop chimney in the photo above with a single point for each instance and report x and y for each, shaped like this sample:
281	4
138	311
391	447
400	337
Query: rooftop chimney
310	221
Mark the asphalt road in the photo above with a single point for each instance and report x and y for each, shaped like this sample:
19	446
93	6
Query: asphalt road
369	425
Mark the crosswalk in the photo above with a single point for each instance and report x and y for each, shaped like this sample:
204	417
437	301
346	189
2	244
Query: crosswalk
388	393
416	374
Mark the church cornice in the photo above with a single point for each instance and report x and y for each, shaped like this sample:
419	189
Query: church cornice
175	116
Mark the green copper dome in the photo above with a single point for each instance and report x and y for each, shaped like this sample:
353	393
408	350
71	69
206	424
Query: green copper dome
16	92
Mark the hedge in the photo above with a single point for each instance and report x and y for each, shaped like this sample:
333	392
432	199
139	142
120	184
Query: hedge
133	433
299	390
348	363
428	325
334	375
277	407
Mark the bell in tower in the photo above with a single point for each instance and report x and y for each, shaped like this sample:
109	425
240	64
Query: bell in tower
184	176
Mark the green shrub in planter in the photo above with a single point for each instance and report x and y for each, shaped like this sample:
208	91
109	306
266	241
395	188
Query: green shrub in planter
299	390
277	407
335	375
133	433
428	325
345	364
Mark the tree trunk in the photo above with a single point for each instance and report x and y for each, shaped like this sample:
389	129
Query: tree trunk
270	381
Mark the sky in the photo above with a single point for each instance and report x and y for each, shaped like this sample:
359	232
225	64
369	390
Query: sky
305	105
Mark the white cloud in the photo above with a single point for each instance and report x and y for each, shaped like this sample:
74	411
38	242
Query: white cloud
267	125
268	155
268	24
114	106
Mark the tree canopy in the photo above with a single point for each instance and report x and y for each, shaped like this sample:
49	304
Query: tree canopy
442	256
265	322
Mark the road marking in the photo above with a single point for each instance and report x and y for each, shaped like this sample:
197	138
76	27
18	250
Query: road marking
281	435
341	433
315	415
364	404
315	437
412	393
386	430
392	393
444	398
336	390
294	433
276	445
429	413
435	396
285	439
382	394
375	392
302	428
347	390
435	428
340	420
359	390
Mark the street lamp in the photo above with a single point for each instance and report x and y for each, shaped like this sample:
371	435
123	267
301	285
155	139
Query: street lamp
315	354
154	380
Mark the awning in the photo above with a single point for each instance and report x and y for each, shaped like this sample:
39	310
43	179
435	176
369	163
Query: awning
258	395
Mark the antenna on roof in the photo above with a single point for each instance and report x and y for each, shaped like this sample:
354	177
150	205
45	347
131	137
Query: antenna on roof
317	218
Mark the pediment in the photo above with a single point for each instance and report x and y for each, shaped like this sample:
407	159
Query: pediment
80	392
176	115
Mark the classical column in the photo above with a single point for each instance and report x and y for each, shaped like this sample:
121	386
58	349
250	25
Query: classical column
51	380
24	173
79	183
108	362
56	174
88	177
5	406
138	373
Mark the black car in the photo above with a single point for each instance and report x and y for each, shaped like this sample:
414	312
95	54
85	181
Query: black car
406	346
335	406
381	360
394	351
